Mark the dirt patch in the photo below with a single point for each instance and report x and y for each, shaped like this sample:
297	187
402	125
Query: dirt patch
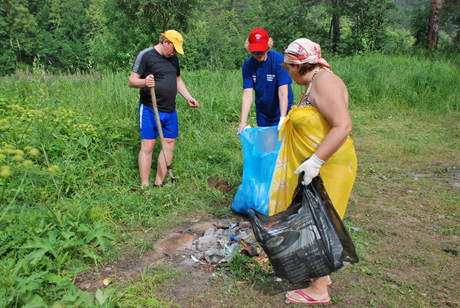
169	249
219	185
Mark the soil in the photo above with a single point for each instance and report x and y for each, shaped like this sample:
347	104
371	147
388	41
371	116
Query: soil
397	255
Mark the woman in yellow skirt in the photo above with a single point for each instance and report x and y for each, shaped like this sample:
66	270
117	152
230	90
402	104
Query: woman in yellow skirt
318	129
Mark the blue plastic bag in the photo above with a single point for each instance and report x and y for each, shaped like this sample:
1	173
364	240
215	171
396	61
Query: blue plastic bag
260	151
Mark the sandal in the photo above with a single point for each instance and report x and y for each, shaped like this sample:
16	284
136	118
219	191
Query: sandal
309	300
162	184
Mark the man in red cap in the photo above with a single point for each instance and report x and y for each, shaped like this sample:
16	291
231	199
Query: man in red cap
158	67
263	72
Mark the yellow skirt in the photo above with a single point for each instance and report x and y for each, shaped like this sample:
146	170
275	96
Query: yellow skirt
303	131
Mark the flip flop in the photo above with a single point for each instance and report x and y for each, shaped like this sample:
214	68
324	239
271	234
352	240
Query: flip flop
309	300
329	284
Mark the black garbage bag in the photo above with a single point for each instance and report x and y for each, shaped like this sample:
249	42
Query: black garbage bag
308	239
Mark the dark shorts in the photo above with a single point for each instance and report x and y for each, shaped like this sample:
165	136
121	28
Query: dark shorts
148	125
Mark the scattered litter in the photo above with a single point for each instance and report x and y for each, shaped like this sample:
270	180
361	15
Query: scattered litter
454	252
107	281
220	243
234	225
223	225
239	236
277	279
209	232
355	229
244	225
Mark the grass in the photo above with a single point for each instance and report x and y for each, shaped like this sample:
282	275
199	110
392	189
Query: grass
68	159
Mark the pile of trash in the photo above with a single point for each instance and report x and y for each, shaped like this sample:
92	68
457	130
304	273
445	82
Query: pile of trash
219	244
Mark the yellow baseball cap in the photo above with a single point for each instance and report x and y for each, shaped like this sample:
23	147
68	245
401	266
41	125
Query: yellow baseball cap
176	38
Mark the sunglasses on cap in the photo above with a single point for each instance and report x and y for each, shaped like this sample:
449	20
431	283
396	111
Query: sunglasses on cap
294	55
258	52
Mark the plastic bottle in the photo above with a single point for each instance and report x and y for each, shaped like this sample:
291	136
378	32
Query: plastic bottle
239	236
249	239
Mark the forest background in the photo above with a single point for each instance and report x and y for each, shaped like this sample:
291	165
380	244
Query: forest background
107	34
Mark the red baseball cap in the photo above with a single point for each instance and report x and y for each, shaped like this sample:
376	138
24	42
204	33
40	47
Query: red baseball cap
258	40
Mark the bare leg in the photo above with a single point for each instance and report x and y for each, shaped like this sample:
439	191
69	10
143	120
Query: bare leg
162	169
145	160
317	290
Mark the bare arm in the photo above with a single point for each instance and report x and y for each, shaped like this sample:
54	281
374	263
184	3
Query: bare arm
246	102
283	97
331	98
185	94
135	81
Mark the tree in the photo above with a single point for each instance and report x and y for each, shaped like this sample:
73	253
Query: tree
18	30
450	20
434	23
135	25
369	20
335	26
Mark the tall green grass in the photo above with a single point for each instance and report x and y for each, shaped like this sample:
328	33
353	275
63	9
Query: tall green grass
399	83
69	146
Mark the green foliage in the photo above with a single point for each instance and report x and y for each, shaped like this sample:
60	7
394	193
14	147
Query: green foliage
134	26
419	18
369	20
139	294
64	35
244	268
305	19
400	81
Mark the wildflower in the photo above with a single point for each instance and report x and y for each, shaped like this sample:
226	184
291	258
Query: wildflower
28	163
33	152
5	172
8	146
18	158
54	169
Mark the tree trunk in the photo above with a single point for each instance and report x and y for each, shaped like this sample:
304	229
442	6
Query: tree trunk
335	26
435	20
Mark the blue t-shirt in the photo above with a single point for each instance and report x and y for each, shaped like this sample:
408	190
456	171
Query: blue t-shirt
265	78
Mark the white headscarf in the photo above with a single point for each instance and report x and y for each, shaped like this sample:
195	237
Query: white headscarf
303	50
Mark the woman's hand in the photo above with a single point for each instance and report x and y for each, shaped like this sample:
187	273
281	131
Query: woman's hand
310	167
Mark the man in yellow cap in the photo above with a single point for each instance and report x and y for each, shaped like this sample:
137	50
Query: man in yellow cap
158	67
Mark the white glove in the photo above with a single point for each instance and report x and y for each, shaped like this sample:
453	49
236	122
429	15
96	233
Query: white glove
281	122
310	167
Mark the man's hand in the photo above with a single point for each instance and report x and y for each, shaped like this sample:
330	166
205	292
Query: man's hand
193	102
310	167
242	127
280	124
150	81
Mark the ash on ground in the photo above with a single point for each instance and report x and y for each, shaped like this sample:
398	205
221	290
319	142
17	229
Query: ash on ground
218	244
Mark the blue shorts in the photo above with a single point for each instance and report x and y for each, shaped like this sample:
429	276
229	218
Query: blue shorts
148	124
